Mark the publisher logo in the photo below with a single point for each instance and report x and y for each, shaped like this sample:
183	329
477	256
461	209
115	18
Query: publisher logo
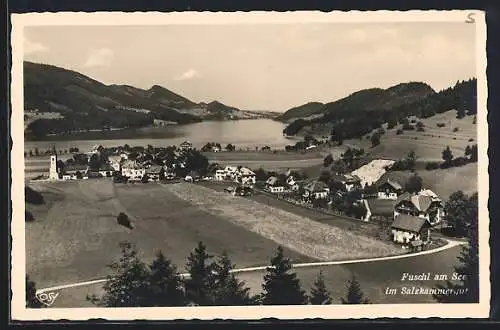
47	298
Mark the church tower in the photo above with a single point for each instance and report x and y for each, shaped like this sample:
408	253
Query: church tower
53	175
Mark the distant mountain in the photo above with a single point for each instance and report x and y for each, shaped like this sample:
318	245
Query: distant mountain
302	111
363	111
58	100
364	100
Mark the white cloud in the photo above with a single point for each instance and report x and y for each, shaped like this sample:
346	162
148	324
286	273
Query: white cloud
100	57
33	47
189	74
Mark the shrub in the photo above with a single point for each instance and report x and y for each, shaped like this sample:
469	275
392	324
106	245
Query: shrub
459	161
432	166
28	217
471	139
32	196
455	129
124	221
441	125
399	132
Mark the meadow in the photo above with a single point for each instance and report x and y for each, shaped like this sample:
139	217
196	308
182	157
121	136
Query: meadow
75	234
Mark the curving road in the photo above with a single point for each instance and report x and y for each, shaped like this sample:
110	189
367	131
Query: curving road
450	244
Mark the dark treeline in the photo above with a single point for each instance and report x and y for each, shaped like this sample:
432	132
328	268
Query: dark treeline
355	119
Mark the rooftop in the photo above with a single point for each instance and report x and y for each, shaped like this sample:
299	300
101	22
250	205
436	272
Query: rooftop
408	223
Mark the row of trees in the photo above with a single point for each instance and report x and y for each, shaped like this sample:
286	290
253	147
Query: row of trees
133	283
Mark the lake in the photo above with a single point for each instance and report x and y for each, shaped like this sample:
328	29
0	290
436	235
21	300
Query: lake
241	133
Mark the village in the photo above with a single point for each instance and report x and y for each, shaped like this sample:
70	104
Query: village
361	195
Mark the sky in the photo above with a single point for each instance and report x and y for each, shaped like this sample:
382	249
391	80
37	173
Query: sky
270	67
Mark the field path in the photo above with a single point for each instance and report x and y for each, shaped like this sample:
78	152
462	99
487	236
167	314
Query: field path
450	244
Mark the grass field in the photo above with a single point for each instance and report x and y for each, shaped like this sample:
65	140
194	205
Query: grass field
443	182
298	233
75	234
428	145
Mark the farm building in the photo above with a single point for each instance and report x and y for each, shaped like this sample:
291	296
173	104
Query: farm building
389	190
407	228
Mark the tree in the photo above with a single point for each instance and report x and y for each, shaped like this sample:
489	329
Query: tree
282	287
260	174
447	155
31	299
128	285
319	293
36	152
200	286
473	153
459	210
31	153
468	151
411	160
145	178
325	177
165	283
414	184
95	162
123	220
375	139
467	288
230	147
328	160
354	294
229	290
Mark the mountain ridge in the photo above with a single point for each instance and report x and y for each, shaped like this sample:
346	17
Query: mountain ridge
84	103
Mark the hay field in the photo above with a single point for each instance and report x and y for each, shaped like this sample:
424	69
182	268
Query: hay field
300	234
428	145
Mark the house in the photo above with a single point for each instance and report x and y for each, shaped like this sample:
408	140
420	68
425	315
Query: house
245	176
407	228
274	186
316	189
349	182
74	171
389	190
216	149
154	172
186	145
106	170
291	183
379	210
421	205
220	175
115	162
243	191
230	172
193	176
132	170
96	149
